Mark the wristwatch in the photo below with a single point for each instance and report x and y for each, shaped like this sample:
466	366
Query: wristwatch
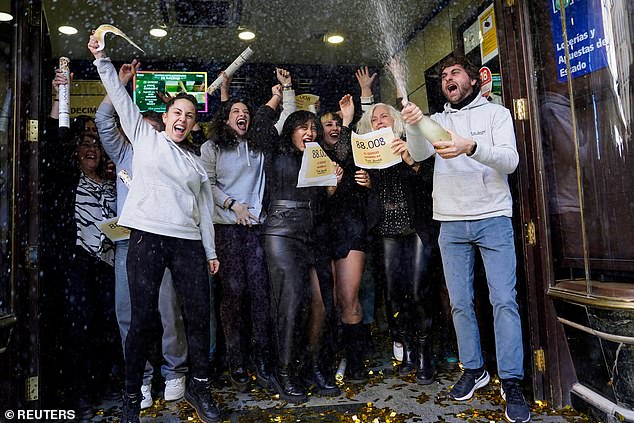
473	149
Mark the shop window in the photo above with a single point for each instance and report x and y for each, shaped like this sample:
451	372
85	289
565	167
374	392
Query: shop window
584	56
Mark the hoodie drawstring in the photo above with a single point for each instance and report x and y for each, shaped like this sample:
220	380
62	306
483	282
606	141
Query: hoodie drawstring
246	149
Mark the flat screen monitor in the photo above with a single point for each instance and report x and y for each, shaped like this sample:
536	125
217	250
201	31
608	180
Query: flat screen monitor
148	83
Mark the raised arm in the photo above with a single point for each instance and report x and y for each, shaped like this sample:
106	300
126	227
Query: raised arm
288	97
225	94
129	115
365	81
111	138
343	148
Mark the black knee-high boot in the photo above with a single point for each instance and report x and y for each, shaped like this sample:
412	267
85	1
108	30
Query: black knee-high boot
424	369
353	339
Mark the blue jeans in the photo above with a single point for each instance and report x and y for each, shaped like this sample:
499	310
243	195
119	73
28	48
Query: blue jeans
458	241
174	342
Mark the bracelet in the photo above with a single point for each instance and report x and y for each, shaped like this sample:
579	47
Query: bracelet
231	203
287	85
278	94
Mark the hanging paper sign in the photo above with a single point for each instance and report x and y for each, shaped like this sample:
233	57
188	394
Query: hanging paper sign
373	150
100	35
488	35
112	230
317	169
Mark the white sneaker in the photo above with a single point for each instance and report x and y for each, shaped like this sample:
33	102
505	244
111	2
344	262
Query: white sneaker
174	389
397	350
146	391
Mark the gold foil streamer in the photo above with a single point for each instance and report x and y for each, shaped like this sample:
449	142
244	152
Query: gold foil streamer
100	35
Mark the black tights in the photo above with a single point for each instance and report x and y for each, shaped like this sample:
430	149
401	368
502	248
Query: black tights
148	256
407	269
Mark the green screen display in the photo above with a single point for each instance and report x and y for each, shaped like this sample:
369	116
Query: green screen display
147	84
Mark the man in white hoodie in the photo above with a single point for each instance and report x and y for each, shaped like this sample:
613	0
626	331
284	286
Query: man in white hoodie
472	200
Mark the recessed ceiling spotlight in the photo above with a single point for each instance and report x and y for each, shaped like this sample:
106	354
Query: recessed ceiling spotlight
334	39
158	32
5	17
246	35
68	30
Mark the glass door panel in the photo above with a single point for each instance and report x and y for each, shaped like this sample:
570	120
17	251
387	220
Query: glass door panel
586	141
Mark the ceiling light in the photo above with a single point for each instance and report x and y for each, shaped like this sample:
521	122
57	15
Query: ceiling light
334	39
5	17
68	30
246	35
158	32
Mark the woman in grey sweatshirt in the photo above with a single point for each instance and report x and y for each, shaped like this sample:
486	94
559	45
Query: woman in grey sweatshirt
169	209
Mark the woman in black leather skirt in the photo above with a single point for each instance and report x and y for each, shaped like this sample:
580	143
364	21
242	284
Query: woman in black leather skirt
297	294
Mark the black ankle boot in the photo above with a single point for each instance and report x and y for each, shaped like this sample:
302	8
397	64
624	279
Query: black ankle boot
286	387
198	395
424	369
324	386
238	375
353	338
408	364
131	408
262	371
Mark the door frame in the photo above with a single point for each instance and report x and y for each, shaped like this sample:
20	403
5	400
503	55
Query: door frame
552	372
21	389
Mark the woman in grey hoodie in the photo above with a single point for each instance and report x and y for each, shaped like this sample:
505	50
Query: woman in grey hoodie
235	165
169	209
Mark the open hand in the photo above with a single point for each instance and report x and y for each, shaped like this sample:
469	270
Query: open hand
128	70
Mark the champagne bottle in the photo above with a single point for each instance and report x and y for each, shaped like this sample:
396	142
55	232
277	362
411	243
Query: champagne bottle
432	130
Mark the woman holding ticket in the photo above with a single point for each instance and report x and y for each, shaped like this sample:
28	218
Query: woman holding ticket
299	299
349	235
409	234
169	210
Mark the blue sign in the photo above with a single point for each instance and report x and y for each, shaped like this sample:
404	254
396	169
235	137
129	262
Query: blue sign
585	36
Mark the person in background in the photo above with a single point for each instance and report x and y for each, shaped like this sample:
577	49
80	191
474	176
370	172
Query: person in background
169	209
472	200
174	344
89	288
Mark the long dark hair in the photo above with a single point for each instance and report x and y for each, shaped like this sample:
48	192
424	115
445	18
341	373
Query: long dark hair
224	135
294	120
